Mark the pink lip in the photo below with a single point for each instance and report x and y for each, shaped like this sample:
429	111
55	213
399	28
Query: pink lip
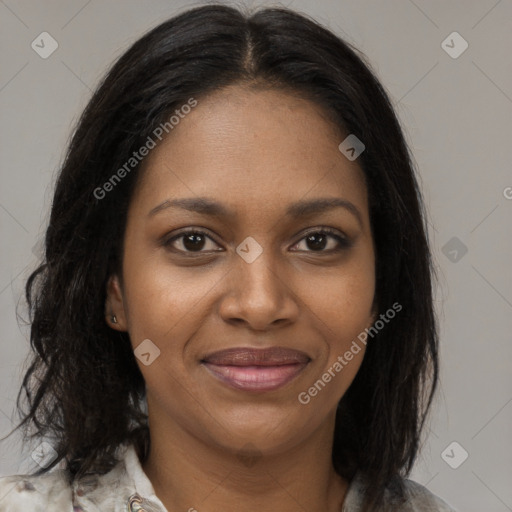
255	378
253	369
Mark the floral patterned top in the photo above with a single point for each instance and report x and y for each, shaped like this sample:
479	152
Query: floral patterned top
126	488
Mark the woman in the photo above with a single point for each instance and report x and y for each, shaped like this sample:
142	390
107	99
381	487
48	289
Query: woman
235	307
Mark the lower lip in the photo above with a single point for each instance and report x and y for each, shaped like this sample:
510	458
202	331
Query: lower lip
255	378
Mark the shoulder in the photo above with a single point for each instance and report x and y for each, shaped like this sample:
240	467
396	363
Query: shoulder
123	486
420	499
43	493
416	497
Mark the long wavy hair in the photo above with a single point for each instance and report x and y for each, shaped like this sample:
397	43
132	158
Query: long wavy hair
83	388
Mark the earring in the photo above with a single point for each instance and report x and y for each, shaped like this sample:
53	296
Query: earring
113	319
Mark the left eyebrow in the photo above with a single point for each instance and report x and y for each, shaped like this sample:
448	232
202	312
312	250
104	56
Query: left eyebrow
311	207
304	208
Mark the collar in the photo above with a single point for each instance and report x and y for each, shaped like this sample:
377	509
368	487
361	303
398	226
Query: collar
135	493
136	475
133	489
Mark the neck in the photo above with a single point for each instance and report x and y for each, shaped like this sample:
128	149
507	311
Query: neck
187	473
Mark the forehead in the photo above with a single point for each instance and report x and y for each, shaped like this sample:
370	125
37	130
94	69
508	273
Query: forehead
252	148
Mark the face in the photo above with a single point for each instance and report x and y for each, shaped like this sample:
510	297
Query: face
265	273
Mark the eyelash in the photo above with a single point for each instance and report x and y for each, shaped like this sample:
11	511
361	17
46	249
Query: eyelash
343	243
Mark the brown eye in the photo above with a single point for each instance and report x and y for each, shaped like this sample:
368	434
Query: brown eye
324	240
190	241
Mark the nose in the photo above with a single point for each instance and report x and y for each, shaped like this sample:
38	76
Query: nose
259	294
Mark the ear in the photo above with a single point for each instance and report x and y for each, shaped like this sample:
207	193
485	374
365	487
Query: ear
114	305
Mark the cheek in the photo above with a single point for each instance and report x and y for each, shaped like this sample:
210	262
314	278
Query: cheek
345	297
342	308
161	301
346	304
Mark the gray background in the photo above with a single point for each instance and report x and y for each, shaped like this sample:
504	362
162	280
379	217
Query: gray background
457	114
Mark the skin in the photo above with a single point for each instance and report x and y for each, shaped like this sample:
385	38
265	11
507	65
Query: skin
214	447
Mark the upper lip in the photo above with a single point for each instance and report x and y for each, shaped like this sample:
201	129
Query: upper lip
246	356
